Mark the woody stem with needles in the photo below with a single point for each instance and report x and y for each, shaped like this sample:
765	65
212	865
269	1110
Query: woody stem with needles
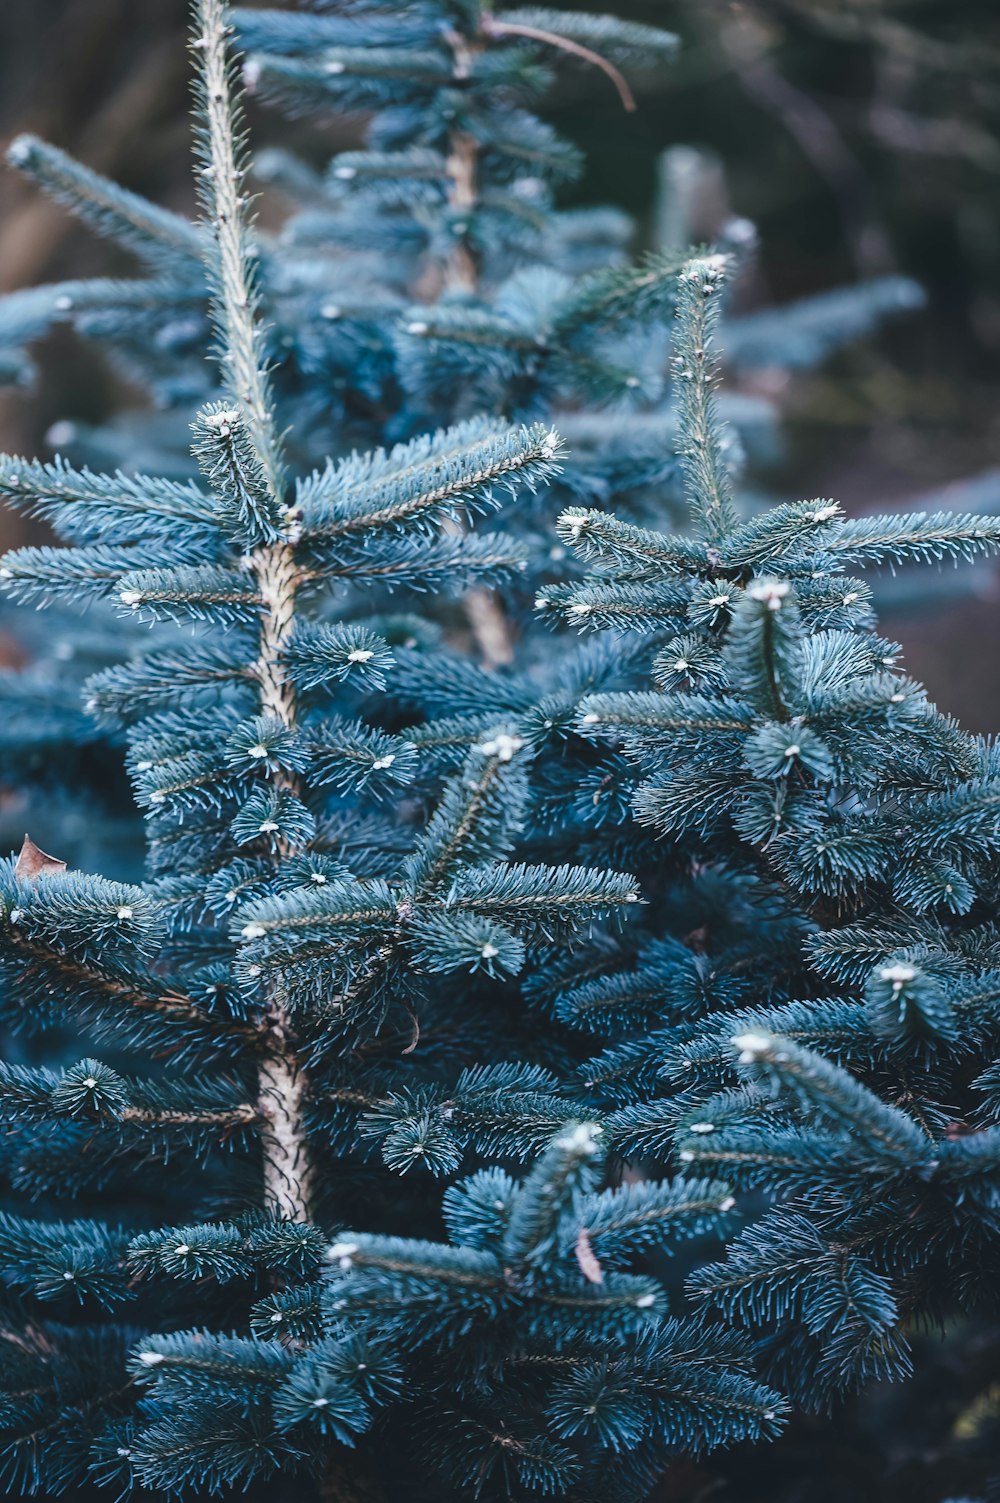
287	1168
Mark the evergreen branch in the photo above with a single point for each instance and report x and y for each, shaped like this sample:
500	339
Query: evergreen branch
598	535
707	486
608	714
477	818
231	261
208	593
882	1129
79	574
447	483
31	312
917	536
160	238
84	505
93	990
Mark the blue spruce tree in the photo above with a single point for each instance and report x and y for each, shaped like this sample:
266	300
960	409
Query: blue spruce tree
678	931
302	974
808	1005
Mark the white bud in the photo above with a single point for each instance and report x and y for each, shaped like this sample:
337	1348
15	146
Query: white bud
318	878
253	931
590	718
125	912
334	68
793	750
645	1301
575	524
719	600
182	1250
260	750
223	419
345	173
825	513
151	1359
751	1046
330	311
728	1203
64	303
131	598
89	1081
501	746
360	655
268	827
276	1317
342	1254
19	151
702	1127
851	597
489	952
681	664
320	1403
770	592
581	1139
418	328
898	975
69	1276
251	75
550	443
381	763
16	915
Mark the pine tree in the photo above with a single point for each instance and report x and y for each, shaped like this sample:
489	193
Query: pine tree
425	279
674	928
808	1004
300	958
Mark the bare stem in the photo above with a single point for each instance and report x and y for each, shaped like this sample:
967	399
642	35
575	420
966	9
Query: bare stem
483	609
461	273
495	28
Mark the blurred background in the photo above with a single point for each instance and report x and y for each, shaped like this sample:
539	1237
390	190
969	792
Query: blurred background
860	136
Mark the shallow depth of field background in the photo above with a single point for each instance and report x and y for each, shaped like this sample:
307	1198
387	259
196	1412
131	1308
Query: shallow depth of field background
861	136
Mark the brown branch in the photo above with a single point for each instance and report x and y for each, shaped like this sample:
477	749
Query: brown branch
495	28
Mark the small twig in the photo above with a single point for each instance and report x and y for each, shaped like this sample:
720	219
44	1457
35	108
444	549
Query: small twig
494	28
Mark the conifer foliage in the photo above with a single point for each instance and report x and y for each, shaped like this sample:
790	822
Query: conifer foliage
836	837
675	933
287	959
